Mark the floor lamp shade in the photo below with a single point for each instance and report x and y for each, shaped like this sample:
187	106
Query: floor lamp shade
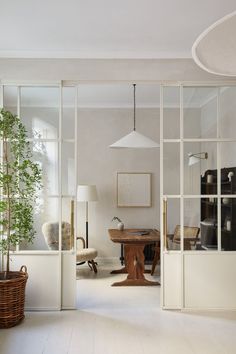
87	193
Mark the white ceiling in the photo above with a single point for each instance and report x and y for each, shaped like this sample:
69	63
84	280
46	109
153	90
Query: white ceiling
105	28
215	49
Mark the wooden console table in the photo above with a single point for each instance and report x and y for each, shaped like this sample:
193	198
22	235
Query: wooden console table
134	257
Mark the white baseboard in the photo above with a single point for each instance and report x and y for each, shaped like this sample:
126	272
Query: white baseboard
38	309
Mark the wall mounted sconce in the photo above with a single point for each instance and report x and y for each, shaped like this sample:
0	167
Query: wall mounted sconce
195	158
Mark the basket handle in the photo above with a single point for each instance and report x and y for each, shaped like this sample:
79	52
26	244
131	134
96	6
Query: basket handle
23	269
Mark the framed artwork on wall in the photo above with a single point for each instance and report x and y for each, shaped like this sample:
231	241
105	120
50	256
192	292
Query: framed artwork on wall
134	189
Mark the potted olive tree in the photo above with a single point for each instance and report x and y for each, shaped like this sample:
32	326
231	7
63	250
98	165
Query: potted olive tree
20	182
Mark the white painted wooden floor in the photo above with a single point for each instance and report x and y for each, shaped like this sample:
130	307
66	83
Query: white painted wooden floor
125	320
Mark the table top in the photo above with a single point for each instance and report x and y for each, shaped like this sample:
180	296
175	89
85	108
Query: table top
130	236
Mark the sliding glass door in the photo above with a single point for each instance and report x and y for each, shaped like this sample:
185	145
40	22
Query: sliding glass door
198	196
49	115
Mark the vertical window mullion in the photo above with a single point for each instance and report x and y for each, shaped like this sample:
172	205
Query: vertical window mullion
76	162
218	156
19	115
161	195
59	168
182	195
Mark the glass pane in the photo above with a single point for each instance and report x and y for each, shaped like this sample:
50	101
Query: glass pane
171	112
228	224
208	232
68	169
228	167
227	112
200	168
46	221
40	111
200	224
110	107
68	112
173	222
46	154
10	98
171	168
67	219
200	112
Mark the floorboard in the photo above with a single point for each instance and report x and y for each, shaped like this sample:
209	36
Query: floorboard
120	320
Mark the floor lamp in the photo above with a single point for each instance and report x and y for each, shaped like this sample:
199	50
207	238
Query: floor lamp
87	193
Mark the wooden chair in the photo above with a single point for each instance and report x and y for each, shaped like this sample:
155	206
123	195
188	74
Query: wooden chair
191	234
156	257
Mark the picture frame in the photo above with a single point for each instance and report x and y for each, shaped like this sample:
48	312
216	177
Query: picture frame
134	189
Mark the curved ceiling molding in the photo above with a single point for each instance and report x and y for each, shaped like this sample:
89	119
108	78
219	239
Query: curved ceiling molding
215	49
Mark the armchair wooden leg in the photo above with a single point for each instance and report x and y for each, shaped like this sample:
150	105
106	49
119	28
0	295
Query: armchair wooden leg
92	266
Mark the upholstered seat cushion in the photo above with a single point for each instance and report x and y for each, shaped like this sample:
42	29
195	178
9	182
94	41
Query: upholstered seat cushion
86	254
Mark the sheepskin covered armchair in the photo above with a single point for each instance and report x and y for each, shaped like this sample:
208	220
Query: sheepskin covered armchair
50	231
86	255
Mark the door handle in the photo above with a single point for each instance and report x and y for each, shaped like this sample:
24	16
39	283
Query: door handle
72	218
165	223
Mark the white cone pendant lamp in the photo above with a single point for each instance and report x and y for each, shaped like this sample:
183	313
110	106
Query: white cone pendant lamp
134	140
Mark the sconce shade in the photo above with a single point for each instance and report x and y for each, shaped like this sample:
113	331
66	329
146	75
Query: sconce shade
135	140
195	158
87	193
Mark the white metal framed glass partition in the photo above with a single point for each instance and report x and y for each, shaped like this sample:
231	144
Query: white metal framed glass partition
49	112
198	196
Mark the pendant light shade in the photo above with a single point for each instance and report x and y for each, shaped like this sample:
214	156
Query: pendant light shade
134	139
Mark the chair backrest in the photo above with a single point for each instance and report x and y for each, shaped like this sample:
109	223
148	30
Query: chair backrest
189	232
50	232
82	243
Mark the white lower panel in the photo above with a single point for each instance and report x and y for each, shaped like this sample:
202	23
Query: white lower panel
209	281
172	281
68	281
43	287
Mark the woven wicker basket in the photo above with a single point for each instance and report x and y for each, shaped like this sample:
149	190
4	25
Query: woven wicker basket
12	297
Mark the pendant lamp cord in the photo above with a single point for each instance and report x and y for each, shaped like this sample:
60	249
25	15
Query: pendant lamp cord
134	85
